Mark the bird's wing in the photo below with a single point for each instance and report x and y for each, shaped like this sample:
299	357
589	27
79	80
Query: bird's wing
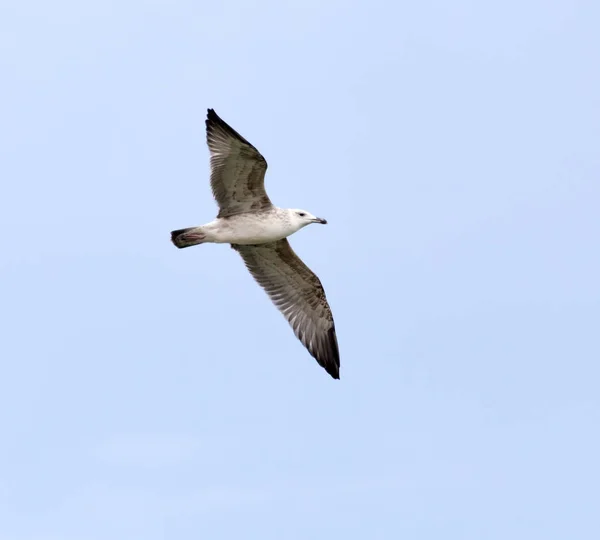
298	294
237	176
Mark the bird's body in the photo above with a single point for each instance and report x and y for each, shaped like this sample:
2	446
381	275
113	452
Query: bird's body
258	231
250	228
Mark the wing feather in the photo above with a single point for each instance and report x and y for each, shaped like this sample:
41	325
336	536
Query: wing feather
299	295
238	170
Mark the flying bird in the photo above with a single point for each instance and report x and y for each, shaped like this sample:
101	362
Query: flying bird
258	231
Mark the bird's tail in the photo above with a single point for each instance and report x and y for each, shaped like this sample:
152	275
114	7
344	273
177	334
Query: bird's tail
191	236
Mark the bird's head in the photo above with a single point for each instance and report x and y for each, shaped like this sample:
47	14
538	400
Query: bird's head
302	218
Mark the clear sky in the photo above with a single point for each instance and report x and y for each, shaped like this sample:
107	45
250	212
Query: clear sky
151	393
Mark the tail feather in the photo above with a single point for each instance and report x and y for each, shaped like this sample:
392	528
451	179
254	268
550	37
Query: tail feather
191	236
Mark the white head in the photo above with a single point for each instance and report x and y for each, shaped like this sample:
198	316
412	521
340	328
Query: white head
302	218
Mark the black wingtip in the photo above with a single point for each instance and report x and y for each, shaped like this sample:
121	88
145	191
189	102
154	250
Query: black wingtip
215	122
212	118
332	362
334	371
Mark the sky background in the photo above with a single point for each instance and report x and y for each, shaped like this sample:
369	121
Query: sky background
153	393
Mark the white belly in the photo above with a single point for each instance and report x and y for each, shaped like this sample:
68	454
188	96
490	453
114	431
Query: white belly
247	229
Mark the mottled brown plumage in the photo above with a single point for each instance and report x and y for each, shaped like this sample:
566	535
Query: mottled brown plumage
238	170
297	292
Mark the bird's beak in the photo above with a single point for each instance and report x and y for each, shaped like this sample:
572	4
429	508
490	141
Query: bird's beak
320	220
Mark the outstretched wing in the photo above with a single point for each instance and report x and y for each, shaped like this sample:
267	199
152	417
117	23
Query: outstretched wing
238	170
298	294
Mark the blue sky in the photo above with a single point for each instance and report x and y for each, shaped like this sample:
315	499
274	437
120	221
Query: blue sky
152	393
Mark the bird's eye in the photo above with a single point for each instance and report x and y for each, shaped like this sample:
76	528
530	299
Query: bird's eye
301	214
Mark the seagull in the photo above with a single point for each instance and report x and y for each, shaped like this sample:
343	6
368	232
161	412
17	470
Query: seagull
258	231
